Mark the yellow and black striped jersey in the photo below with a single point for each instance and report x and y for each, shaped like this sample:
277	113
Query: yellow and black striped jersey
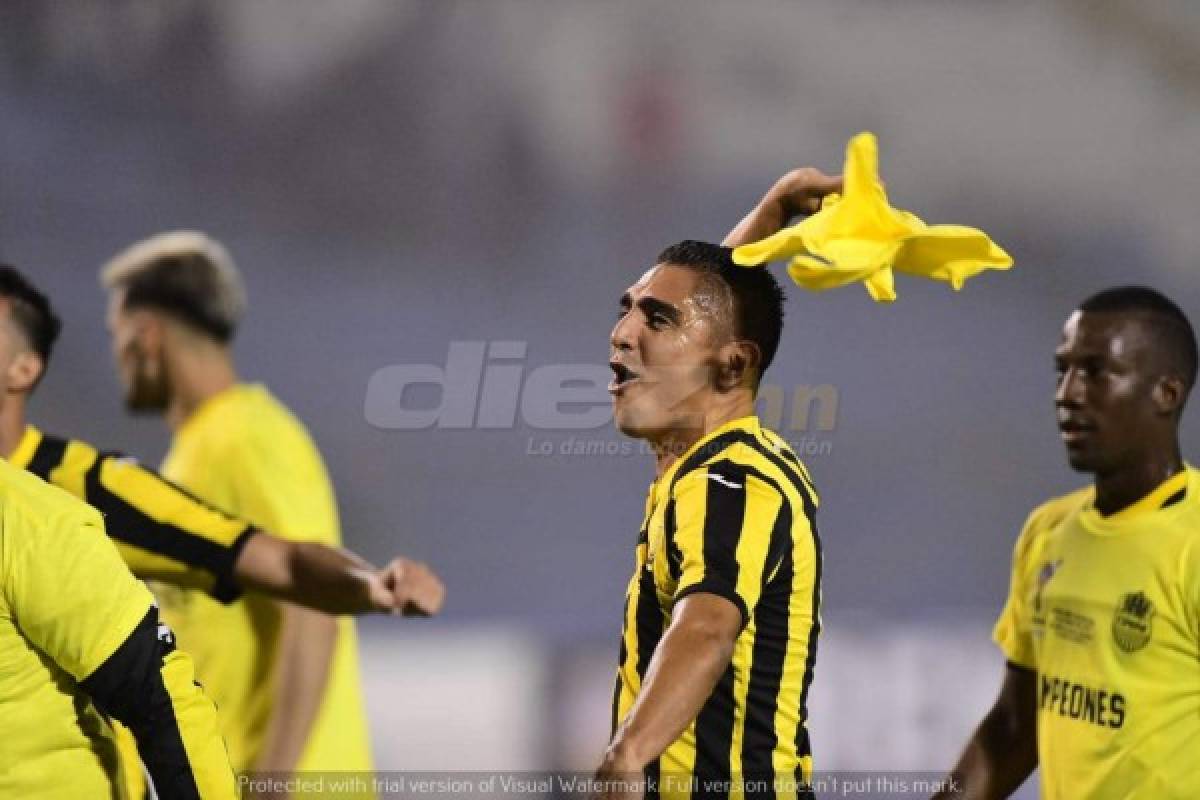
735	517
80	643
161	530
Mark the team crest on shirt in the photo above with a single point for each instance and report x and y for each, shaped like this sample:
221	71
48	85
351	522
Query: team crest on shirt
1133	621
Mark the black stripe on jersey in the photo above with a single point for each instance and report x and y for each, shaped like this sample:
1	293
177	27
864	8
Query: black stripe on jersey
724	515
714	738
803	745
129	686
621	656
649	625
129	524
48	455
674	554
707	451
1175	498
772	619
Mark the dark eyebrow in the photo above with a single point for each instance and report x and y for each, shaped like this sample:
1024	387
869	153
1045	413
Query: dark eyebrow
651	306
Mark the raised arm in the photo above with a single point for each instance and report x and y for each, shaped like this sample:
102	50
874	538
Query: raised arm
1003	751
797	193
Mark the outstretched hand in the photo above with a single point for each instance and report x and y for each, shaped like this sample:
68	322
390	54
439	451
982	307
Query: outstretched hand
409	588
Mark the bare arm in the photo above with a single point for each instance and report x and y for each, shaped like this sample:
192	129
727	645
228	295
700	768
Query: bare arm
688	662
335	580
306	643
1003	751
796	193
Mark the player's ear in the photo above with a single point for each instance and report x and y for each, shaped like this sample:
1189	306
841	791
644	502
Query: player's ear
738	362
150	334
24	371
1169	395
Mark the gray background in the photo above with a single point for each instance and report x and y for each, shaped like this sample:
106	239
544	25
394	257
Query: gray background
393	176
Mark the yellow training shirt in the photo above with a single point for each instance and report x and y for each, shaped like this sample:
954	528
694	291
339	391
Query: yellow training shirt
735	517
1107	611
244	452
73	630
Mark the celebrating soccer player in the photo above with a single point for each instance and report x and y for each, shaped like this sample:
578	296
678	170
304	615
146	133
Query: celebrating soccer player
1101	630
80	643
722	612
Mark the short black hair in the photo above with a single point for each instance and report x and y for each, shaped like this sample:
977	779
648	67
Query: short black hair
1170	326
31	310
757	297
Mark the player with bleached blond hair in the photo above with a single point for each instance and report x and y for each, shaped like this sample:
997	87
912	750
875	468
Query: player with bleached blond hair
286	680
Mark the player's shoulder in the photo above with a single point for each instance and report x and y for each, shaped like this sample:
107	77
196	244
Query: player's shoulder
260	414
748	454
1056	509
27	501
1048	517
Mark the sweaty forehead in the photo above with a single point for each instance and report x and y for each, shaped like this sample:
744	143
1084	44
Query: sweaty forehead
665	283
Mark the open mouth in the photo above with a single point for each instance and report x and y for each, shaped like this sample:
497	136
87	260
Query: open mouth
622	376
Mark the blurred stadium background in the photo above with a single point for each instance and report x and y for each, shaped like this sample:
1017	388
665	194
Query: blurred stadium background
396	175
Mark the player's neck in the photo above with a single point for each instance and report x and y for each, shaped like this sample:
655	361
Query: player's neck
197	375
1124	487
726	408
12	424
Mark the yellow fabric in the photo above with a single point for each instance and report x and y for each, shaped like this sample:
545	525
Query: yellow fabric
244	452
1107	611
161	531
858	236
732	517
67	603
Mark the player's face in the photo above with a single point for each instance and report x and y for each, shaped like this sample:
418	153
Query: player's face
664	354
1104	398
139	360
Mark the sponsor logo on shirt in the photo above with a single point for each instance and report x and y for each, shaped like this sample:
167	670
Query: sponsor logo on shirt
1133	622
1073	700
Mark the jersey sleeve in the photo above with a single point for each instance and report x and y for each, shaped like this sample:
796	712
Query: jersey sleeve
162	531
75	600
725	518
151	688
71	594
1013	632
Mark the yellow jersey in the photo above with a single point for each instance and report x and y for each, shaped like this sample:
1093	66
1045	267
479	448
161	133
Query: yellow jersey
735	517
1107	611
80	640
244	452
